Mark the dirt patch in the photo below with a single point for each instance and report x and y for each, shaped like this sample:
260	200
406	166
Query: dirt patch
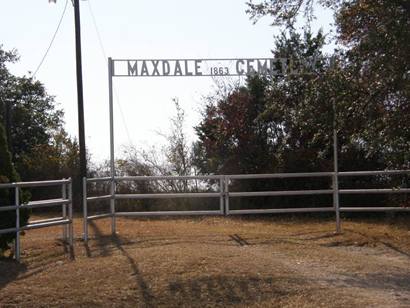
214	262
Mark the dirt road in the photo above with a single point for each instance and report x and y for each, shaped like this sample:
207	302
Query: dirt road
215	262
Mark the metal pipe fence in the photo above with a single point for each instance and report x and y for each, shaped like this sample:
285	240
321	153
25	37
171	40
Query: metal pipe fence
222	190
224	194
113	196
66	203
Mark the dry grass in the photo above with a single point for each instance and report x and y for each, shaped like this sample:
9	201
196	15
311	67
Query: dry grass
210	262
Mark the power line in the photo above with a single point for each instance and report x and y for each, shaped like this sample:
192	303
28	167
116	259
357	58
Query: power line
52	40
105	57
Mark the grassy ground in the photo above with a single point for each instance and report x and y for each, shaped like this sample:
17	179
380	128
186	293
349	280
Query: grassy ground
261	262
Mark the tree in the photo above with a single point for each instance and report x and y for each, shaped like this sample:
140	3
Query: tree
173	158
7	174
256	127
40	147
284	124
286	12
54	159
377	35
178	153
29	113
371	84
232	139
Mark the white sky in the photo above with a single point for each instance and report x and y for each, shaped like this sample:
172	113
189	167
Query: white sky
131	29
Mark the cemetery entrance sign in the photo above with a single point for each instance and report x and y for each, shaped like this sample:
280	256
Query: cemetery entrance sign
207	67
219	67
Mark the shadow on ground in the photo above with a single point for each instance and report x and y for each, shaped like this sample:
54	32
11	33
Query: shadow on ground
9	270
208	289
40	259
223	290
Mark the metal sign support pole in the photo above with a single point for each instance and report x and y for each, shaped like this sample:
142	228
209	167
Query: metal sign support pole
112	158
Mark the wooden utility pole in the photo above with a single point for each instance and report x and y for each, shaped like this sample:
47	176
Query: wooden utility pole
80	97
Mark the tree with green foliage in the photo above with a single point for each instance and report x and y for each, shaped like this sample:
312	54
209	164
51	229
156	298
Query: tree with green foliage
377	37
29	114
284	123
371	84
40	147
7	174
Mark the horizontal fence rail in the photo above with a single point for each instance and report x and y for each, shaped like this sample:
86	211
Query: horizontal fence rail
279	175
229	194
283	210
35	184
113	196
224	194
166	195
66	203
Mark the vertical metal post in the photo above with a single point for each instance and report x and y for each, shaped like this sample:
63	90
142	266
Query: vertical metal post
221	199
70	214
112	156
112	207
110	94
335	173
85	215
226	195
17	240
64	209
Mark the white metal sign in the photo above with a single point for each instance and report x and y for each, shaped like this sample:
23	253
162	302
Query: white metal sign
209	67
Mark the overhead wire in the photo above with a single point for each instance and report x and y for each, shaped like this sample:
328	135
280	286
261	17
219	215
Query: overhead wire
52	40
117	99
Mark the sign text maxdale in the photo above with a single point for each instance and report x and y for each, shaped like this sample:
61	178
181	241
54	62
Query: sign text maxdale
209	67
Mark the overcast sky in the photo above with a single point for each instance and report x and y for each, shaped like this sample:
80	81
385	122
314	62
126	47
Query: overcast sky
131	29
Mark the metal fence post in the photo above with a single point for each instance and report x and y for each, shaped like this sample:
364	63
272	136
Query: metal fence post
112	207
336	204
17	240
226	195
85	215
70	213
221	199
335	171
112	154
64	209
